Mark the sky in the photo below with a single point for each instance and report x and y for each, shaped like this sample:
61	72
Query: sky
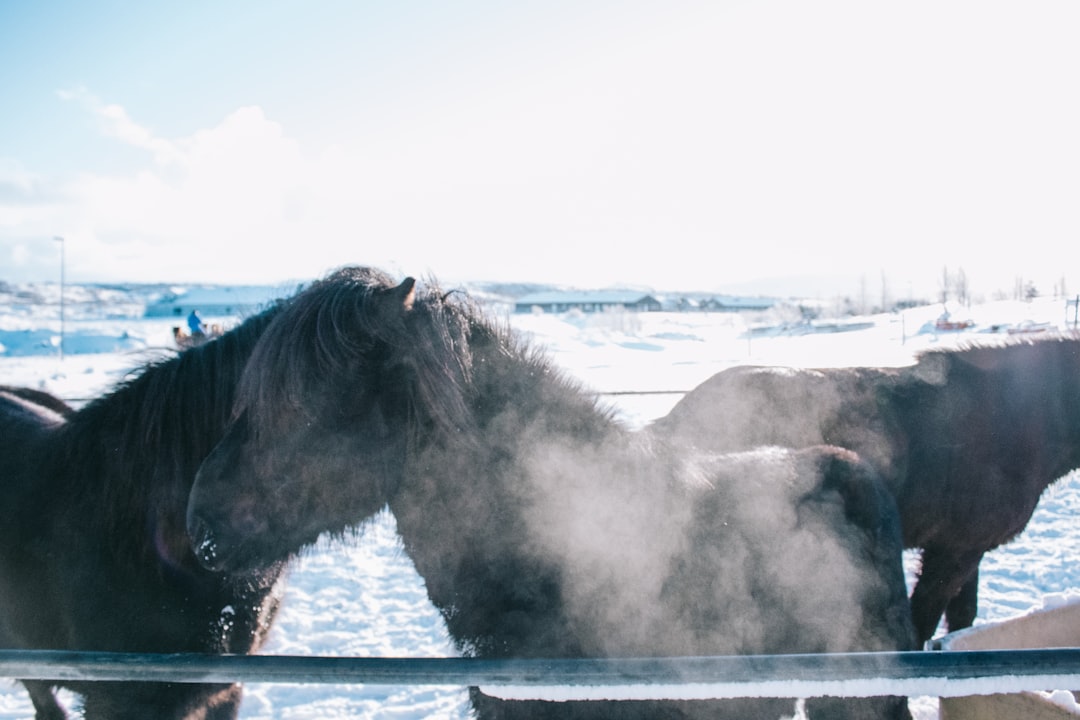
828	147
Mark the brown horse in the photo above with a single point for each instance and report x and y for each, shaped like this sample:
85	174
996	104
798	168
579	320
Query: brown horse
966	440
541	526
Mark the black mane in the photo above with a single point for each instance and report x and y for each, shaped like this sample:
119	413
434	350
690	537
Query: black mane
336	322
139	446
975	351
514	367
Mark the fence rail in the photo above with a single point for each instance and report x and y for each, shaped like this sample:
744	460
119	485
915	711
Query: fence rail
935	673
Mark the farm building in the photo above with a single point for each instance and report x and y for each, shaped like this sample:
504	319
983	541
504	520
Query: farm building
216	301
729	303
587	301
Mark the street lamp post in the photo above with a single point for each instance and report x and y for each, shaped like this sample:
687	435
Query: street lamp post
61	241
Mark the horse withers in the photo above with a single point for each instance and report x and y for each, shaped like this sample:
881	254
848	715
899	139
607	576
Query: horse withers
544	528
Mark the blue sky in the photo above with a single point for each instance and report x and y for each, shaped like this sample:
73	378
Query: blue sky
699	145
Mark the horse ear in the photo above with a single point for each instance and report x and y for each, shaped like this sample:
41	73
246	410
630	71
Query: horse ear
405	293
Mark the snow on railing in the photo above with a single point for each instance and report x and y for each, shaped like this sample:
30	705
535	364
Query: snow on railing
927	673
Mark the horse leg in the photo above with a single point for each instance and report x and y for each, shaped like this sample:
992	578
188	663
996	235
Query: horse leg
961	610
162	701
879	708
486	707
225	705
944	573
46	706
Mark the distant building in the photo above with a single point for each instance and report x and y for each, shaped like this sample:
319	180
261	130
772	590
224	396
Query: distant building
215	302
737	304
556	301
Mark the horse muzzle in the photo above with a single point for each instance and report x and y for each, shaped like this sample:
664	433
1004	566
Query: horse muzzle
226	538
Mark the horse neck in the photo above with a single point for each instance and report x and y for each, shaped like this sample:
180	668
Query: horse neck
1035	388
461	509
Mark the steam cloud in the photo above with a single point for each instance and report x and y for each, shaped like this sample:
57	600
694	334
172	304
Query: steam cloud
706	555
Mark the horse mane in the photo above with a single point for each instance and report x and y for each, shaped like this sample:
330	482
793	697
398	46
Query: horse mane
983	354
331	328
514	364
146	438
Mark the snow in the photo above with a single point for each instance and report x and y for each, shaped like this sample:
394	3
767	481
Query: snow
364	598
1063	699
869	687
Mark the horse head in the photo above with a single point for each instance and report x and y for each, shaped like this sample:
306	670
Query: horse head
321	421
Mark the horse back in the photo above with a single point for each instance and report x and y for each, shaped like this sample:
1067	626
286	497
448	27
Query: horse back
752	406
40	398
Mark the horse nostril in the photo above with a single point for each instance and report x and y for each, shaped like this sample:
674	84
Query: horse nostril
203	543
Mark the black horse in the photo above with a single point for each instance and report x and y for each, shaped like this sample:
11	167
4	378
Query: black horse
966	440
94	552
544	528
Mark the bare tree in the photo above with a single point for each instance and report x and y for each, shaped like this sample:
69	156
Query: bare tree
960	288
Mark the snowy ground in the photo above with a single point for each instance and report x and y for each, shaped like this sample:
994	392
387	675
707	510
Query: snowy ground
366	599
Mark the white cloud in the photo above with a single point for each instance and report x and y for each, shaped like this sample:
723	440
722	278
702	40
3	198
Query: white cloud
208	206
116	123
713	144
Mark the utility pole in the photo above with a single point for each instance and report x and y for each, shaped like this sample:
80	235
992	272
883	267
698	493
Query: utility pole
61	241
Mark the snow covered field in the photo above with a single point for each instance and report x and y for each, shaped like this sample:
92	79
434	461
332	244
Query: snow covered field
365	598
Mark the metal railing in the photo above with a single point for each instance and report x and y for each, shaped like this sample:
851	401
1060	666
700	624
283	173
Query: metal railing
933	673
